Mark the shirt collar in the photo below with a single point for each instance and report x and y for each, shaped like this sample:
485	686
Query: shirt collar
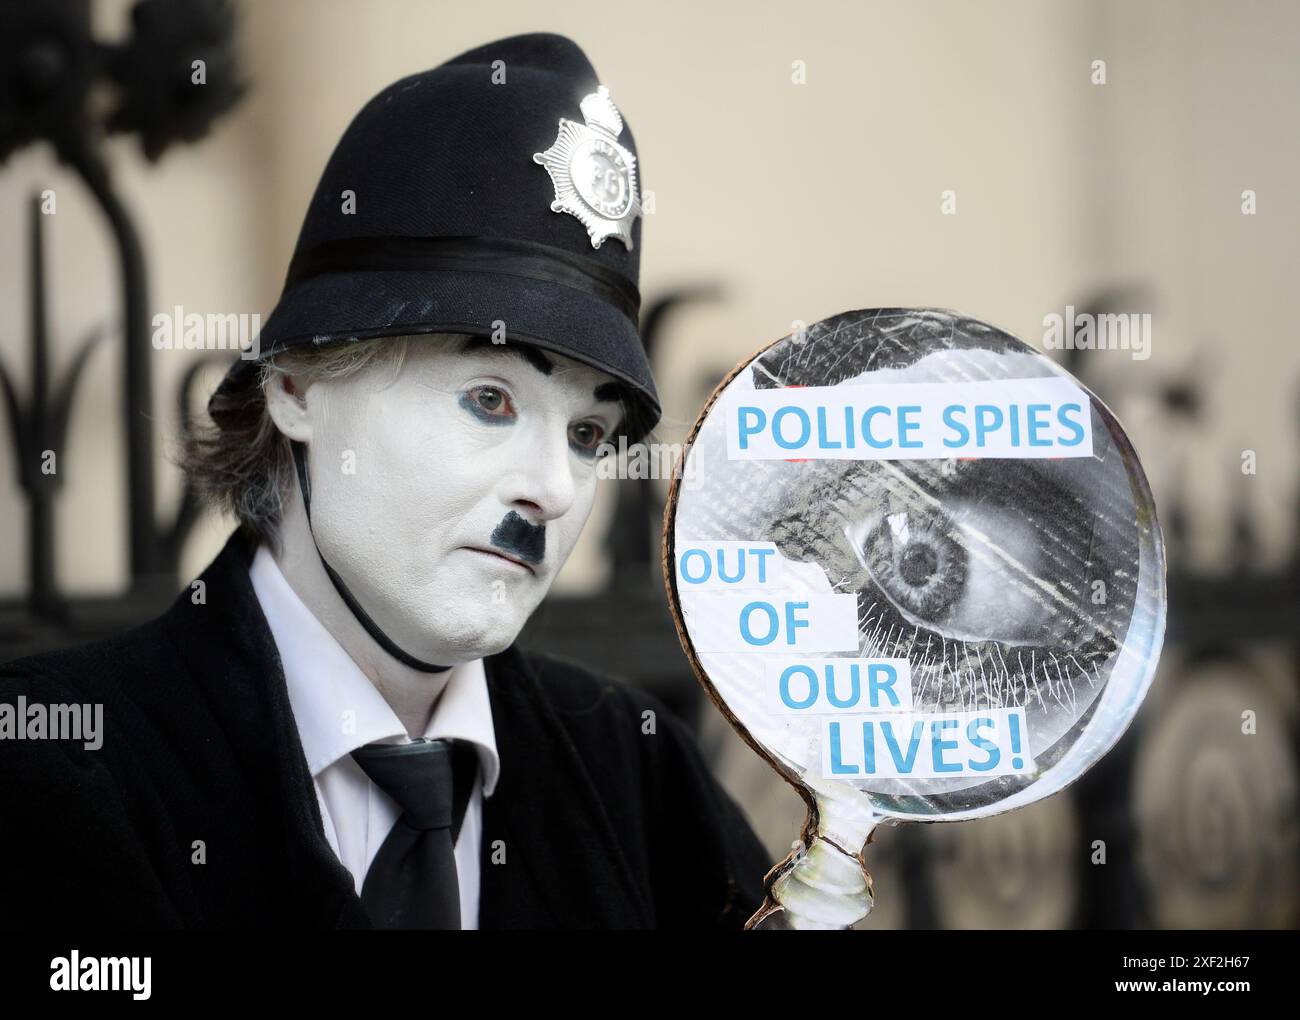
335	705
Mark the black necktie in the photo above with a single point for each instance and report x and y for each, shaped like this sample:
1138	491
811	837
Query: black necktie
412	880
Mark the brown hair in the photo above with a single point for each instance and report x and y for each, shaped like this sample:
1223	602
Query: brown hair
244	465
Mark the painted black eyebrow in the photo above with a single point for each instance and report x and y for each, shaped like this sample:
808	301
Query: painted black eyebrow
611	392
606	392
532	355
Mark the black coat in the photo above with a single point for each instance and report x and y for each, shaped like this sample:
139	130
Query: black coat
600	824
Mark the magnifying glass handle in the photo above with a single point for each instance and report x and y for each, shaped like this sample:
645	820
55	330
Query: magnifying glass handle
825	884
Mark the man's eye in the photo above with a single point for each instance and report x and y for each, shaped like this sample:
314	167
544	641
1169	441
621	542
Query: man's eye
586	436
490	398
489	403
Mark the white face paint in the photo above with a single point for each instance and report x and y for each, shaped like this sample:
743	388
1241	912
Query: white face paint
474	474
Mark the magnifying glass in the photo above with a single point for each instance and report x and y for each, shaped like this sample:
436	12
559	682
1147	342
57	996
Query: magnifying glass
917	566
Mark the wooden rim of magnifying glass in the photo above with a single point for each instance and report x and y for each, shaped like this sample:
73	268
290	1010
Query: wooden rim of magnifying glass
812	818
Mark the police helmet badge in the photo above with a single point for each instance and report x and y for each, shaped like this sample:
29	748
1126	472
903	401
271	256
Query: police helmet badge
594	176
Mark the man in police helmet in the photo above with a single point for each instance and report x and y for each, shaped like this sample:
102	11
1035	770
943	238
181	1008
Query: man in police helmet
333	726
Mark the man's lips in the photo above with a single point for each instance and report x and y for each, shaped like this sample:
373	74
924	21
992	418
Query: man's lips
501	555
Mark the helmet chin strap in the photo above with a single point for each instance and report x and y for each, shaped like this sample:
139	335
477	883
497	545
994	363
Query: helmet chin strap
363	618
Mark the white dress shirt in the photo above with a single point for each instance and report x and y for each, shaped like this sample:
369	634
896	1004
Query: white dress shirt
338	709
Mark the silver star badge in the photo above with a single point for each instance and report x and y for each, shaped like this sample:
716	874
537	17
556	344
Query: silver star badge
594	176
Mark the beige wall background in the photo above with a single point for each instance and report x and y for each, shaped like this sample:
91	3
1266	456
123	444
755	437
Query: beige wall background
800	200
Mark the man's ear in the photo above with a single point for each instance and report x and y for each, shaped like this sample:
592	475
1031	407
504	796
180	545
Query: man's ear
287	406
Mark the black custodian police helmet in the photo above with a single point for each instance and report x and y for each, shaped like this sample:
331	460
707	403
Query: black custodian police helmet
496	193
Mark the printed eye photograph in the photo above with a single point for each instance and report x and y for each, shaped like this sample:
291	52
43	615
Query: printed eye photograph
698	468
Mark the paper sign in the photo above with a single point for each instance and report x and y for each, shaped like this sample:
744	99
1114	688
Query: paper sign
1013	418
947	745
714	566
806	686
732	621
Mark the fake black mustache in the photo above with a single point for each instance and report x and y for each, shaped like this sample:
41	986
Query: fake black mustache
516	536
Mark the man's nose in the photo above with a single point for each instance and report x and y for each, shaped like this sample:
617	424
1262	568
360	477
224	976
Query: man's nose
541	485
